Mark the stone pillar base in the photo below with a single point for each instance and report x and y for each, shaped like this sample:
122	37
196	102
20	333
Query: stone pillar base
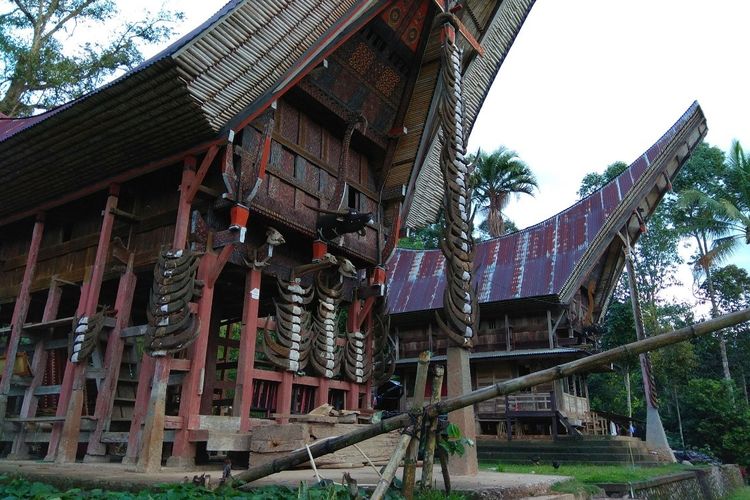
459	383
96	459
656	438
181	462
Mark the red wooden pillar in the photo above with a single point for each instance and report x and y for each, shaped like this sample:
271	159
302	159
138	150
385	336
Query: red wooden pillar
209	380
20	310
150	404
67	381
38	364
72	425
321	396
97	450
183	451
284	406
243	394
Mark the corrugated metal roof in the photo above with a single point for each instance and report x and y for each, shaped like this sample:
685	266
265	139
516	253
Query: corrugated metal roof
544	259
520	353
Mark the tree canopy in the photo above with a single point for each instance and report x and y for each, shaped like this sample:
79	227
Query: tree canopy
38	70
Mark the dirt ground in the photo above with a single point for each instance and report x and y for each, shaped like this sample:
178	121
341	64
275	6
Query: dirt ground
487	484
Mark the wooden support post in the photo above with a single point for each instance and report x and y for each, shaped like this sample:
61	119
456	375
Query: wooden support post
145	375
20	451
429	449
507	334
656	438
321	395
550	330
72	425
183	451
20	310
150	406
410	462
243	393
284	395
152	437
96	451
212	346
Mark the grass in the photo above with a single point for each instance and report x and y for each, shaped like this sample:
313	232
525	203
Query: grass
592	474
741	494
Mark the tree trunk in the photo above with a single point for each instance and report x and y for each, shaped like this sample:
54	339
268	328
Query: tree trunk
715	314
679	418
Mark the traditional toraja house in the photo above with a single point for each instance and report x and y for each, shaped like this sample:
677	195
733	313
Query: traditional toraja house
177	247
541	292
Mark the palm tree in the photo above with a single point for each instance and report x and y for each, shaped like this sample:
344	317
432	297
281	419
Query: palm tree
496	177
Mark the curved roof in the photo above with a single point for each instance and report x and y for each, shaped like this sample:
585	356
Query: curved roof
183	99
553	257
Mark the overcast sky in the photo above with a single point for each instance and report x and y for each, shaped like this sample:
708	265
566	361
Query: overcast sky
590	82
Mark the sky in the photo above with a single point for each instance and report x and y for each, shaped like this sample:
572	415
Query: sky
590	82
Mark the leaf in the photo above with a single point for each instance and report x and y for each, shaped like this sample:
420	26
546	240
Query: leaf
454	432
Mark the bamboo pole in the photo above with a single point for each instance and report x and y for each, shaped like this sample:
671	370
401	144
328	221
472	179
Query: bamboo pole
410	461
390	470
431	438
501	388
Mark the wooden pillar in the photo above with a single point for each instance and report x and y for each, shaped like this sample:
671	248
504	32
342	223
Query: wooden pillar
183	451
284	406
243	393
321	395
72	425
19	450
145	374
150	404
209	379
656	438
96	451
550	330
67	381
20	310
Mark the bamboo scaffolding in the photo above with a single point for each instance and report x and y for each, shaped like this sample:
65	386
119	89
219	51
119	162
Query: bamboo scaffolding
431	430
410	461
500	389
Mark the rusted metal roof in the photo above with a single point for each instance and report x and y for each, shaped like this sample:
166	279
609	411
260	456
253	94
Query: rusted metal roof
552	257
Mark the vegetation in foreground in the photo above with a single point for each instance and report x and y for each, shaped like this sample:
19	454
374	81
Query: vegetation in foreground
14	487
586	477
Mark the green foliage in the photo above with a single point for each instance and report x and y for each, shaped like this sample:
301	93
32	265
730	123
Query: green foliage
496	177
37	72
424	238
456	443
594	181
718	420
593	474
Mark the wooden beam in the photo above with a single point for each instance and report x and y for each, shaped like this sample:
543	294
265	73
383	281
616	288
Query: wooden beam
38	365
71	428
243	393
97	450
197	180
20	311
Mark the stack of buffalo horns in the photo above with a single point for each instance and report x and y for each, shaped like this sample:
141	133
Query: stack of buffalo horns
171	325
291	348
86	333
459	300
